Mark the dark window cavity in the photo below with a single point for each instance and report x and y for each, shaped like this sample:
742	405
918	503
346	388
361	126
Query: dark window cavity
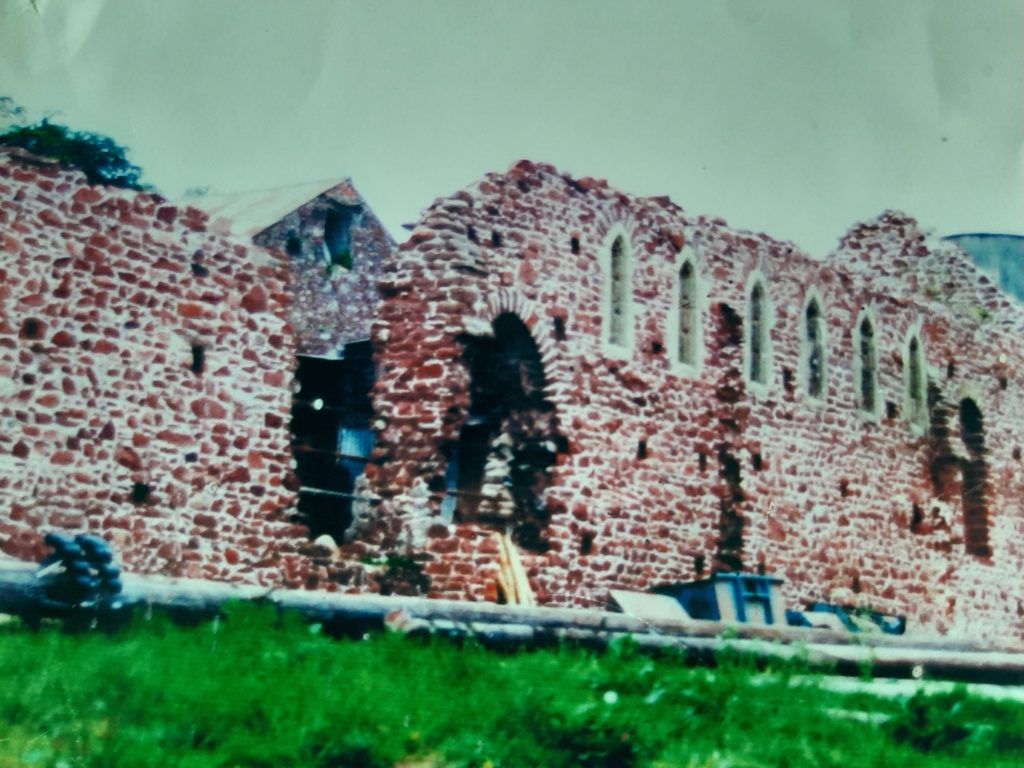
509	441
338	234
331	435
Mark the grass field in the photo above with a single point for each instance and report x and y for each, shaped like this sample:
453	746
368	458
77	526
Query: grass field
256	689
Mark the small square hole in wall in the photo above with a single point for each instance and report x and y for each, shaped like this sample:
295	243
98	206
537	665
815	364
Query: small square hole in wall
1003	382
140	492
641	450
698	565
891	411
586	543
656	348
757	462
702	461
574	244
950	369
1016	453
559	329
844	488
199	270
31	329
496	239
471	234
198	358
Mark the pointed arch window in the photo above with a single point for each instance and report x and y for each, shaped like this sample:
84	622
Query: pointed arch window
688	330
814	349
915	381
618	269
868	366
757	335
617	294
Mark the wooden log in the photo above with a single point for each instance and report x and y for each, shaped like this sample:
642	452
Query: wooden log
21	593
18	590
506	576
523	590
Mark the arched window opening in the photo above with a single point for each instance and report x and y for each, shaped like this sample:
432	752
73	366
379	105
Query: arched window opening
338	235
975	480
688	332
757	335
509	441
815	340
916	403
868	368
617	314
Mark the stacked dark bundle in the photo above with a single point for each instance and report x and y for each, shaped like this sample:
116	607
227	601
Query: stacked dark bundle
80	572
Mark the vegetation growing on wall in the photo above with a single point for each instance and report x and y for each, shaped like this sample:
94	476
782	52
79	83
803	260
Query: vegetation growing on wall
99	157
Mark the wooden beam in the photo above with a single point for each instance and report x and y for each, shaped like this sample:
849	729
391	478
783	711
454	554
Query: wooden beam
885	655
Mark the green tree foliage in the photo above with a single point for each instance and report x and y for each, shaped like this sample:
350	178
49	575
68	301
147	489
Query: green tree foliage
99	157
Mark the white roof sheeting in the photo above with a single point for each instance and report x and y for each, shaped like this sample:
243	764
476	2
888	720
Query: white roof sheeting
250	212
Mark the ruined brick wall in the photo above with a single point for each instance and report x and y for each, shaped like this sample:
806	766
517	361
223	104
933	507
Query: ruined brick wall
112	421
668	469
332	304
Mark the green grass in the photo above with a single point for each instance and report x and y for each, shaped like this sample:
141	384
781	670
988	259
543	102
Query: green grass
254	689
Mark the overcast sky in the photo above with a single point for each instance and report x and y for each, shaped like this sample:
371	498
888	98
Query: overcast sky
796	117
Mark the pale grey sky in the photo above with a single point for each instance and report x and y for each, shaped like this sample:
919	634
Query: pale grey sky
796	117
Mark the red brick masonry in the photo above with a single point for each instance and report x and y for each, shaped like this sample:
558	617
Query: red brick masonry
649	468
104	294
668	464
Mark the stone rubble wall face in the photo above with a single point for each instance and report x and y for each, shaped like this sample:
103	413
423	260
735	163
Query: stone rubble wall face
330	306
96	395
103	292
831	507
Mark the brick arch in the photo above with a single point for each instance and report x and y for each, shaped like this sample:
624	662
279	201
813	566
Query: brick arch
497	469
507	301
608	221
